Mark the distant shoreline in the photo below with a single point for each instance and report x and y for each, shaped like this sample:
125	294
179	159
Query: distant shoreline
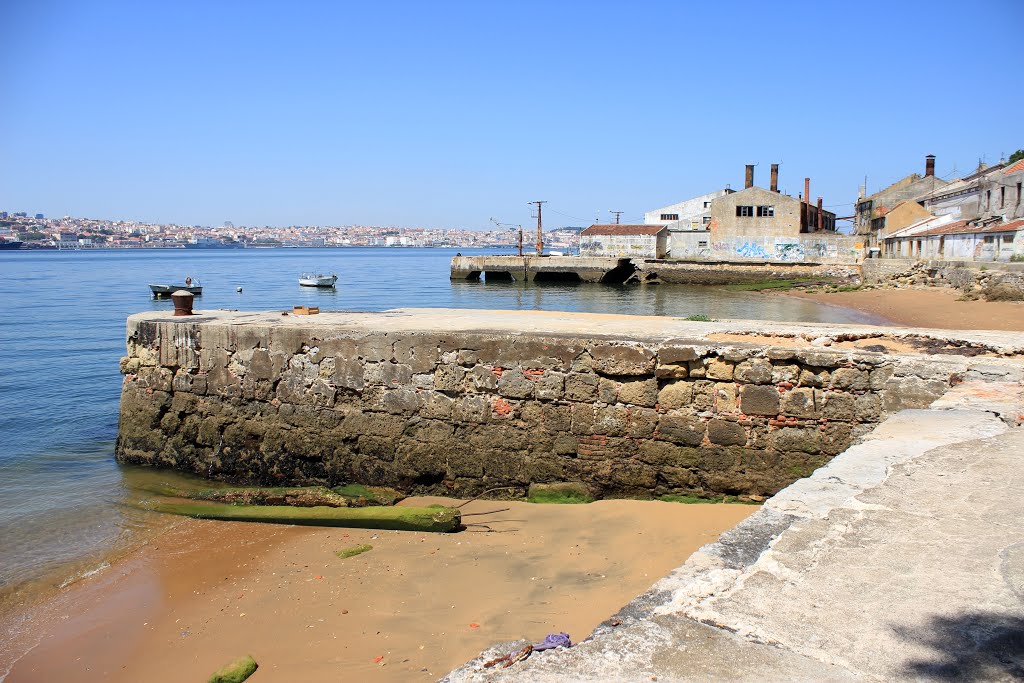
261	246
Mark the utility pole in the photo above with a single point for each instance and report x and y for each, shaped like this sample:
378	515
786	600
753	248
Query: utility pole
509	225
617	214
540	224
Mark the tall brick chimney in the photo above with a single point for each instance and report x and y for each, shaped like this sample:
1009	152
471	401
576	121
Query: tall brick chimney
929	165
807	190
821	219
749	182
775	178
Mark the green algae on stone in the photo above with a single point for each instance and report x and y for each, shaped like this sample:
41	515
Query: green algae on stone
235	672
354	550
690	499
395	518
371	495
352	495
561	493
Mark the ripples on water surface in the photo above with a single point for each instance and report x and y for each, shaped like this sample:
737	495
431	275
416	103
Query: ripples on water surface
62	334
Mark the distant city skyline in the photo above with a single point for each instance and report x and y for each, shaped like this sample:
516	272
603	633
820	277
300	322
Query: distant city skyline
443	115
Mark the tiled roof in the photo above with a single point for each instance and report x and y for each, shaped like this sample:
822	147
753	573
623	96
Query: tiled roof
1015	167
617	229
963	228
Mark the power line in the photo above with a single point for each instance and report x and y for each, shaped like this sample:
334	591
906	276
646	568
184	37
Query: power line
575	218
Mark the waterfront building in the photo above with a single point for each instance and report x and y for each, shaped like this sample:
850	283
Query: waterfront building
625	241
940	238
871	210
689	214
999	194
684	219
67	240
757	212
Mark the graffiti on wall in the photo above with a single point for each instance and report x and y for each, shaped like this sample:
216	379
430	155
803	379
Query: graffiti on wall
751	250
789	249
779	249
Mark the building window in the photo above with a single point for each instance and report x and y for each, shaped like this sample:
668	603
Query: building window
707	204
765	211
1002	197
988	200
1018	193
706	220
744	211
670	216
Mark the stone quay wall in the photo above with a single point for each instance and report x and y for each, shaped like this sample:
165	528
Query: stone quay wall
681	272
959	274
426	402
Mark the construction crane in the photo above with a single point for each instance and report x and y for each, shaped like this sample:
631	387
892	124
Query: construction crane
502	226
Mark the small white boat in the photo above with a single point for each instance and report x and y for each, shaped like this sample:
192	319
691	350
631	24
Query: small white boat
191	286
318	279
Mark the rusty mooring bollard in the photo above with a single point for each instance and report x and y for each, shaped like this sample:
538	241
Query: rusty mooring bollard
182	302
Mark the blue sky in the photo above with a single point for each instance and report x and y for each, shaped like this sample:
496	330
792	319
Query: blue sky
446	113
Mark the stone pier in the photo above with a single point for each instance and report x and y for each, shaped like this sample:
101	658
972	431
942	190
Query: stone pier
459	401
542	268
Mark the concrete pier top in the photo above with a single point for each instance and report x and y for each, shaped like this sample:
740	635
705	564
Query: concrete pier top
652	329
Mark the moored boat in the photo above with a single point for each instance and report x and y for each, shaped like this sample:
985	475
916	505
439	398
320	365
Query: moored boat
318	279
191	286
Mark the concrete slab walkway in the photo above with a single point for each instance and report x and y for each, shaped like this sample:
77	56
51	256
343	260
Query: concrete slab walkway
902	560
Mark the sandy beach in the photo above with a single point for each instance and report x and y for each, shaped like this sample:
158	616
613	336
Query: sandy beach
412	608
926	307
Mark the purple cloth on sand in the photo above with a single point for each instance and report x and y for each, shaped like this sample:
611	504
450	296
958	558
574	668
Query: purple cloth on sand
552	640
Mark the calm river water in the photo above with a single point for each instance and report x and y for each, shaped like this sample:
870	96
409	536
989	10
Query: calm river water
62	332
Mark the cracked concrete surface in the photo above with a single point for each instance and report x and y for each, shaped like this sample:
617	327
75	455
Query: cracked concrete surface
903	559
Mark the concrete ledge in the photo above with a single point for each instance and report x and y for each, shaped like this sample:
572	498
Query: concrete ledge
609	326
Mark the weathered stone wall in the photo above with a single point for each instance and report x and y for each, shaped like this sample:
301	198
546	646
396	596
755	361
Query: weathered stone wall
460	412
964	275
812	249
723	273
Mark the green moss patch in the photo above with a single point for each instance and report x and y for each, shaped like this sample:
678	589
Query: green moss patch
560	493
352	495
354	550
372	495
700	500
235	672
396	518
773	284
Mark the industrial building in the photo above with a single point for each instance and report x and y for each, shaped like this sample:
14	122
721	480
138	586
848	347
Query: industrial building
625	241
